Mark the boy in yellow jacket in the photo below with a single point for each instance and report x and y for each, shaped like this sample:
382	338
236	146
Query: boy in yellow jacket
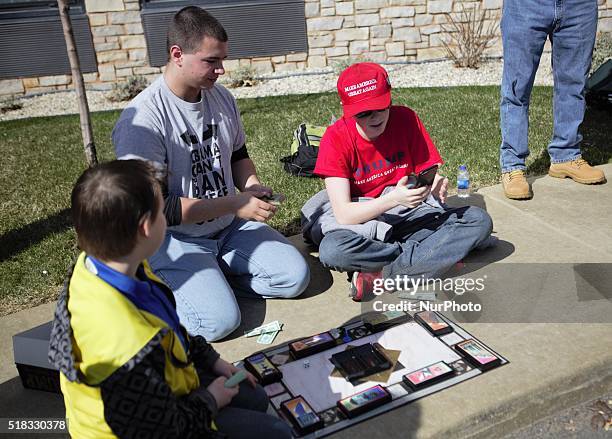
127	366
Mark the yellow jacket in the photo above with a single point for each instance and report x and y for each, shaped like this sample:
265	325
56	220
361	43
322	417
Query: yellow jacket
124	372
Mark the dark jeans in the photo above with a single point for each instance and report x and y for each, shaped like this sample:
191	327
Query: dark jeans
428	242
245	417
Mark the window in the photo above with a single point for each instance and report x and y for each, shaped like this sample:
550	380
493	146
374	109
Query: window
32	40
255	27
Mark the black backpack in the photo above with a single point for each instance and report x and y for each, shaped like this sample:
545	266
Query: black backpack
304	150
599	86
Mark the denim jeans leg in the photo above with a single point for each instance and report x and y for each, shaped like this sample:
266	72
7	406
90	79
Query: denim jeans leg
447	237
572	48
345	250
205	302
258	260
525	26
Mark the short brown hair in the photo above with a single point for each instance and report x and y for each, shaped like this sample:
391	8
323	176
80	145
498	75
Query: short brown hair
108	202
190	25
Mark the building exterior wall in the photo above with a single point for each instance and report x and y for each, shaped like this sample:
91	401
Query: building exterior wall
376	30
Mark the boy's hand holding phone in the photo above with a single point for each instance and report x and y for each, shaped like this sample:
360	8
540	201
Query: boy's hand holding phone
409	197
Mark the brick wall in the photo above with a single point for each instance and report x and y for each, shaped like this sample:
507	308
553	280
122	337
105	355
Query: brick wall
377	30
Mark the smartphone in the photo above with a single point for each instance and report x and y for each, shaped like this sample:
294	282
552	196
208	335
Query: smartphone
426	177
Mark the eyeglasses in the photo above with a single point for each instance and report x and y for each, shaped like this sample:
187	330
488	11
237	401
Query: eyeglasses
366	114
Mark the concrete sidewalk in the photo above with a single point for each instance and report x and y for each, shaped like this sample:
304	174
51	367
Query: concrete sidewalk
564	231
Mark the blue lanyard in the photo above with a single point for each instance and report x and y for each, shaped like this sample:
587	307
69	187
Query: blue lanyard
144	294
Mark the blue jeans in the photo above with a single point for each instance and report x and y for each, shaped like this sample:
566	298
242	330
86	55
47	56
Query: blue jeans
427	243
571	26
245	417
247	258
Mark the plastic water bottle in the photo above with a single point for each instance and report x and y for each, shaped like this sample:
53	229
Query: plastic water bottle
463	182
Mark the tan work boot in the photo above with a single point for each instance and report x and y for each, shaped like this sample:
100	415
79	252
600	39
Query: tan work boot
515	185
578	170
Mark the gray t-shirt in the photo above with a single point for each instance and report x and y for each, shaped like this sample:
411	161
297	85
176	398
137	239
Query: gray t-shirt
195	141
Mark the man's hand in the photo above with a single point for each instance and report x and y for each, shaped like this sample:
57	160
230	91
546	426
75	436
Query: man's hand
223	395
409	197
265	190
249	206
222	367
439	188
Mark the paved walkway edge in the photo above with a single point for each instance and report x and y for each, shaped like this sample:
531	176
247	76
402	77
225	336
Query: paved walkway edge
577	387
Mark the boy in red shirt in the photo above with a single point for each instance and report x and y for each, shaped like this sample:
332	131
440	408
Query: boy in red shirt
370	152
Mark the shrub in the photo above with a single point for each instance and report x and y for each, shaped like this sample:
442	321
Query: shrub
125	91
244	76
469	36
10	104
602	51
342	64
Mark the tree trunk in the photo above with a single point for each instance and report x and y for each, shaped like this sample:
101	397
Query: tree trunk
79	86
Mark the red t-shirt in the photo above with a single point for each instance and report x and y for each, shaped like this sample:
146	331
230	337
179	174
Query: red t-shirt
403	148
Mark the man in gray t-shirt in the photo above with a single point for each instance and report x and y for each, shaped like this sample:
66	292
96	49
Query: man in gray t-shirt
217	242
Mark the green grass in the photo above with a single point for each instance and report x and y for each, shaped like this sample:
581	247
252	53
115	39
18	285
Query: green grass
41	158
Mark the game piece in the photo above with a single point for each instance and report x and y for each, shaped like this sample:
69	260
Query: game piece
274	389
360	361
477	355
336	333
428	375
330	416
433	323
358	332
397	390
301	415
270	327
377	322
306	364
364	401
311	345
263	369
236	379
461	366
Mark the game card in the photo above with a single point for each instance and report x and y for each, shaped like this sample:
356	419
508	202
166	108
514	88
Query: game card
263	369
301	415
364	401
477	354
311	345
433	322
428	375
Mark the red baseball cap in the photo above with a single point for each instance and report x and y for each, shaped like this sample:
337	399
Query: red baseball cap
362	87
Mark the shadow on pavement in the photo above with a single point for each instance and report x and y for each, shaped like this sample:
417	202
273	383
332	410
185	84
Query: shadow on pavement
18	402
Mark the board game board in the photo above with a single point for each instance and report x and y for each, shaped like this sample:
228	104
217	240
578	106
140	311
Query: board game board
305	387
